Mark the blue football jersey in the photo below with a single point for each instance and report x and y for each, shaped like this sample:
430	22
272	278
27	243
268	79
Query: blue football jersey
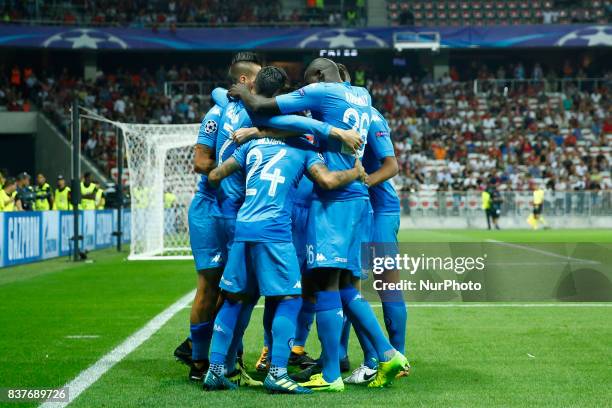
231	191
383	196
343	106
207	136
235	116
273	170
304	192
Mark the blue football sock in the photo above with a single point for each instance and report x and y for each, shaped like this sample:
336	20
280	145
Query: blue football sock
283	330
201	334
244	316
223	331
277	371
370	358
396	315
304	322
344	337
329	328
268	317
364	319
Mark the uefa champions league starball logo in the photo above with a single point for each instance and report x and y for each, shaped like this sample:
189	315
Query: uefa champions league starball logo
342	38
600	35
210	126
84	38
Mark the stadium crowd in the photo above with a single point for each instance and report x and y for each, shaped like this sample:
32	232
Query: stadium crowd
446	136
173	14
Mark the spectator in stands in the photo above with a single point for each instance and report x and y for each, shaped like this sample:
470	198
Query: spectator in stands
8	195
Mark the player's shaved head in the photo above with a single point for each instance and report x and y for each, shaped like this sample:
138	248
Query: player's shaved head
322	70
244	68
270	81
344	73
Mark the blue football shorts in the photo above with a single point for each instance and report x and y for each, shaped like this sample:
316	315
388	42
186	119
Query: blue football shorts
262	268
210	236
383	237
335	234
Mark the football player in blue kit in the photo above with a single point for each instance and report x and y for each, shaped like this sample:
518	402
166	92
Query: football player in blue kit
335	221
302	197
206	248
381	165
262	259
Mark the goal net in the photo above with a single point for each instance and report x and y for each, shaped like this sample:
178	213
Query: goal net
162	184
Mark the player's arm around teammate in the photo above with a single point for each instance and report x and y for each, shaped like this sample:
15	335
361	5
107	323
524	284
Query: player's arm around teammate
350	137
326	179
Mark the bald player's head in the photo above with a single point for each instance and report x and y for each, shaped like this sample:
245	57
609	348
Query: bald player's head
322	70
245	67
344	73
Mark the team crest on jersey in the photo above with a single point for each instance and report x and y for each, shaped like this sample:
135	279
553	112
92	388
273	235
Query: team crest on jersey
381	133
210	126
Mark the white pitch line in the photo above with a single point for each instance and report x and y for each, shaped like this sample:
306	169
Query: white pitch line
541	251
92	374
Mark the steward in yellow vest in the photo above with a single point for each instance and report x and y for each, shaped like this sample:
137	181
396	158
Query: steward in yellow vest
100	200
62	198
8	192
88	193
44	197
169	199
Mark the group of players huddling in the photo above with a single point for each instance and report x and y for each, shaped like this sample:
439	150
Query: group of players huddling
282	210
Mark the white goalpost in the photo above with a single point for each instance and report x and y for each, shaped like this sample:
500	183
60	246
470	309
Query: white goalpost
162	183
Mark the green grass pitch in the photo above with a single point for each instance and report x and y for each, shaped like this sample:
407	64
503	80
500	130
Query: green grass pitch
462	357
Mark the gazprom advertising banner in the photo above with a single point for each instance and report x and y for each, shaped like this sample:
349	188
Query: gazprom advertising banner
89	230
33	236
104	228
22	237
50	234
66	231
